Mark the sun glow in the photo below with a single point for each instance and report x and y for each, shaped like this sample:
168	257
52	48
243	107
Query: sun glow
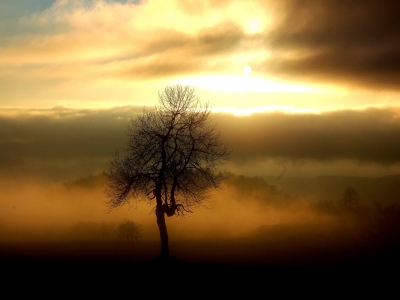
263	109
243	84
247	70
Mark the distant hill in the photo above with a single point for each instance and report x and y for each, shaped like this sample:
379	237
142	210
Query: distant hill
384	190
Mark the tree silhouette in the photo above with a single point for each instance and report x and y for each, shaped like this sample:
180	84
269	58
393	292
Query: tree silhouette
172	157
129	231
350	198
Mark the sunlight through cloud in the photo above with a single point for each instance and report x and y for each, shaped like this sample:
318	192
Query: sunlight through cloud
265	109
246	70
243	84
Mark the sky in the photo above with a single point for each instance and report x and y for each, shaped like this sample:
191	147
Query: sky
322	96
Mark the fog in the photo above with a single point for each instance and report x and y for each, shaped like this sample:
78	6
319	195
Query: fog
40	209
47	195
247	220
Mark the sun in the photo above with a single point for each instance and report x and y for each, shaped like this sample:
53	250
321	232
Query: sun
246	70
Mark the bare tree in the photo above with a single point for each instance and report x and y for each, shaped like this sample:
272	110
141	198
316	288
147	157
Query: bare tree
172	157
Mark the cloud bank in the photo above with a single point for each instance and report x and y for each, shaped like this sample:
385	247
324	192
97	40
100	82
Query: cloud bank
63	143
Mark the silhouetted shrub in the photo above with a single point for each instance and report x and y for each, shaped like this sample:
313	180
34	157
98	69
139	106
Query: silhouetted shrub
350	199
129	231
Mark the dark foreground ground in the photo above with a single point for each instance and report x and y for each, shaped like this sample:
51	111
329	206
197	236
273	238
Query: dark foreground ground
270	255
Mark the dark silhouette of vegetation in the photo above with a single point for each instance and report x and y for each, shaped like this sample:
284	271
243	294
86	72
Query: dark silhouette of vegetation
257	188
107	231
248	186
171	158
350	199
325	205
129	231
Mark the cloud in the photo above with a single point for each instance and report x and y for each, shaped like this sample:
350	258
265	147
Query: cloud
60	142
67	50
94	31
179	54
353	43
365	136
75	46
63	143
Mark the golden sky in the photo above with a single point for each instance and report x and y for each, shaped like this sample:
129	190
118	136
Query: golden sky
322	77
303	54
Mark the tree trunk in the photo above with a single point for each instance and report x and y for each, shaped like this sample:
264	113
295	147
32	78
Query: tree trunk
162	227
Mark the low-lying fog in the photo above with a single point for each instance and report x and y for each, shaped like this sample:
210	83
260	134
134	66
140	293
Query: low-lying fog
37	209
244	210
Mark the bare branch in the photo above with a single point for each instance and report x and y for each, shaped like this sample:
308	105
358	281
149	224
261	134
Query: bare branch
172	157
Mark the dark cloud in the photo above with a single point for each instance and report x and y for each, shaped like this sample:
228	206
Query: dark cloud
61	143
65	144
369	136
162	67
351	42
220	39
176	53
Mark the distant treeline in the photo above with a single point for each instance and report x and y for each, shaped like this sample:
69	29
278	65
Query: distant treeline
126	231
383	190
257	189
325	192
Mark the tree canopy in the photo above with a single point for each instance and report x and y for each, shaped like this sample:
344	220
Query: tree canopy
172	157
